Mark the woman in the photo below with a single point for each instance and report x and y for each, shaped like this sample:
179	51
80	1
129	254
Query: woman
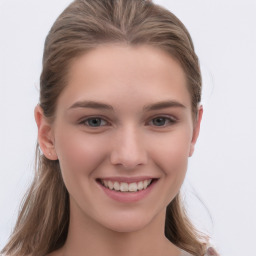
118	117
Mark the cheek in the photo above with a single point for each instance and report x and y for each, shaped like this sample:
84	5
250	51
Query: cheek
171	156
172	150
78	152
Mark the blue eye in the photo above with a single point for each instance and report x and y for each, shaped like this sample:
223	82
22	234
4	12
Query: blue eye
94	122
162	121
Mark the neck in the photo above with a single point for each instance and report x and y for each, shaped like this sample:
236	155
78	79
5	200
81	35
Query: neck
87	237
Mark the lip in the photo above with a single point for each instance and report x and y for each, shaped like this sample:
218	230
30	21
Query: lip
128	197
128	179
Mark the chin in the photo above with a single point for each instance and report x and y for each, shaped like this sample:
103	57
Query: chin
128	222
126	227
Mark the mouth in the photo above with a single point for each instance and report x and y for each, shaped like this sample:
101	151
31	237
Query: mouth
127	190
130	187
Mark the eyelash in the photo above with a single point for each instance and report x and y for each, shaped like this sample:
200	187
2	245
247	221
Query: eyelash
93	118
167	119
170	120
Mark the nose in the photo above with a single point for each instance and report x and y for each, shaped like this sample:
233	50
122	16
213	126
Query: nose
128	149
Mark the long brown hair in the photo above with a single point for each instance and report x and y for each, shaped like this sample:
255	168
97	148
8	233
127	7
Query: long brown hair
42	225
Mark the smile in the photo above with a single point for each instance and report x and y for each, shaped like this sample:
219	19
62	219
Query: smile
127	190
126	187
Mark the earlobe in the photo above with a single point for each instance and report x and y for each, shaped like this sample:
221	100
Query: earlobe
45	134
196	130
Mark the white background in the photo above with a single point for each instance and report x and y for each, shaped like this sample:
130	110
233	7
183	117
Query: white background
222	172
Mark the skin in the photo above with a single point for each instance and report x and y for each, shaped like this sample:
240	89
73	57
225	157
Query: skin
129	141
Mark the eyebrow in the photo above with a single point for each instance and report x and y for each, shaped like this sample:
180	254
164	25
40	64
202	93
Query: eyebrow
163	104
91	104
150	107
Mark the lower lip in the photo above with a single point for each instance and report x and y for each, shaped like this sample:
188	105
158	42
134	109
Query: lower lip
128	197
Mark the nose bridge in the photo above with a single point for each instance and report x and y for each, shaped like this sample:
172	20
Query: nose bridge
128	148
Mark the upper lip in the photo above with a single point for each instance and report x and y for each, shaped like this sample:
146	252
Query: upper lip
127	179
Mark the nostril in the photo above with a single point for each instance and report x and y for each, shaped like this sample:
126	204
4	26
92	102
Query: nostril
129	164
129	154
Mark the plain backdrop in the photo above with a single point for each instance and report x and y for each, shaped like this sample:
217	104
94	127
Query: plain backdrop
220	186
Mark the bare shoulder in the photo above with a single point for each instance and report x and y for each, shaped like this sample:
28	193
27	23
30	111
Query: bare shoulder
55	253
211	252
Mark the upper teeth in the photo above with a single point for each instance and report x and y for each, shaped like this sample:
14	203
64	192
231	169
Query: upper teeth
125	187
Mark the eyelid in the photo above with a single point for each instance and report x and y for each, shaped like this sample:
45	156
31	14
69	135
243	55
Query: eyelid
82	121
172	120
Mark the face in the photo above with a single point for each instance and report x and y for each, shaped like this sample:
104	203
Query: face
123	134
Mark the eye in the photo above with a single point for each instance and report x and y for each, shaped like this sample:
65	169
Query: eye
162	121
94	122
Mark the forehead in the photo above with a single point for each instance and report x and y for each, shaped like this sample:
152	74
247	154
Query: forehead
109	72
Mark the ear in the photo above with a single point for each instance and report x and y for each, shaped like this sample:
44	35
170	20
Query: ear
196	130
45	134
